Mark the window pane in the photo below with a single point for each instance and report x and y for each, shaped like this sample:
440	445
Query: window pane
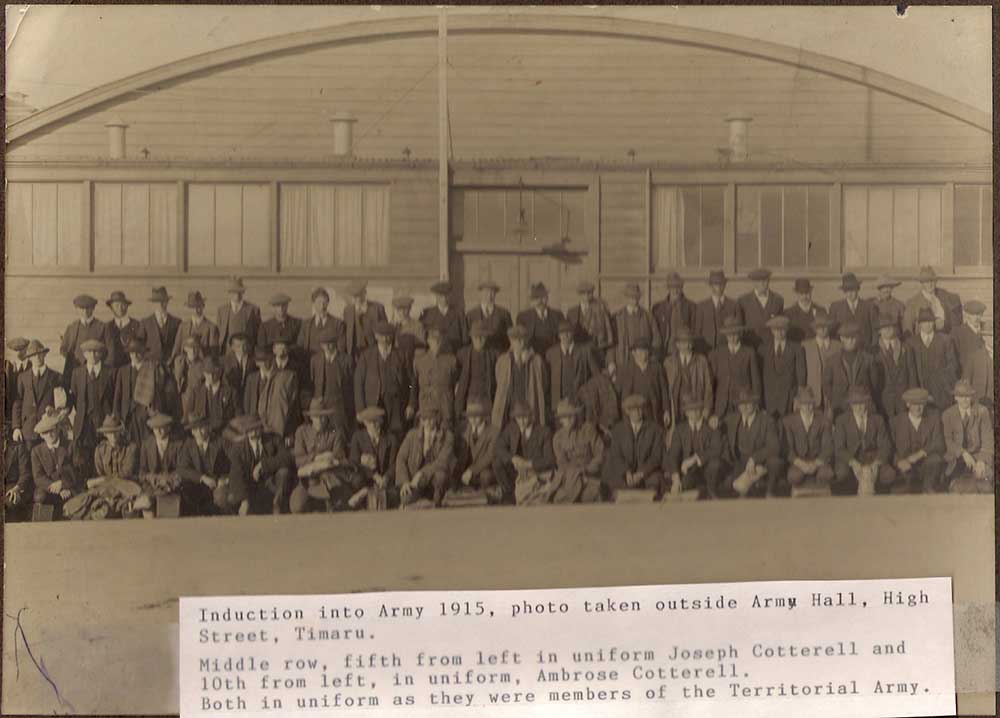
818	248
929	221
747	216
666	220
489	227
880	227
855	226
691	218
712	225
770	227
905	221
548	215
795	227
967	217
987	226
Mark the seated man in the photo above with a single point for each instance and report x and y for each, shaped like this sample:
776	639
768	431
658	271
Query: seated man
52	467
756	468
260	470
968	437
524	458
326	481
862	449
635	455
579	453
476	445
373	452
115	456
424	461
809	443
920	445
17	480
203	467
694	459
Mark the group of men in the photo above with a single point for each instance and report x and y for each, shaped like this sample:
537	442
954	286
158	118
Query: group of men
723	398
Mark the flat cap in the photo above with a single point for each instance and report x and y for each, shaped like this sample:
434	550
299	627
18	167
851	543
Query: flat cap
779	321
760	273
849	329
371	413
963	387
245	423
159	420
84	301
93	345
520	409
634	401
916	395
886	281
279	299
318	406
328	334
489	284
974	307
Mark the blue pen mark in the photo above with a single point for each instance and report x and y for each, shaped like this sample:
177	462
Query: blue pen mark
39	662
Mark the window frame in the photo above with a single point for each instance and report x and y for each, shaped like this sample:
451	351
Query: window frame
985	195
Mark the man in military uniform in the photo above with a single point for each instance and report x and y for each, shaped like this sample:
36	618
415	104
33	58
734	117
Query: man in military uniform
361	316
122	328
332	379
579	454
968	438
198	326
809	444
320	323
862	449
756	468
693	461
945	307
935	359
425	459
591	321
116	456
802	314
783	368
86	327
673	312
541	321
382	379
975	356
886	305
570	365
203	467
325	479
435	374
282	324
920	447
633	322
759	305
734	366
524	458
852	309
712	312
495	320
477	368
238	316
820	351
635	455
160	328
850	368
896	366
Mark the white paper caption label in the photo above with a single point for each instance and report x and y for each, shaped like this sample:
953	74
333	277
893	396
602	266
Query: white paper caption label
817	648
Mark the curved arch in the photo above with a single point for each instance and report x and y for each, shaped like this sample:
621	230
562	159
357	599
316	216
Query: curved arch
383	30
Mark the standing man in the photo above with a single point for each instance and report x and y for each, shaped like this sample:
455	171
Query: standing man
382	379
81	330
712	312
759	305
819	351
411	336
591	321
141	390
448	319
851	367
570	365
688	374
215	399
886	305
935	358
802	314
945	307
92	391
809	443
425	458
756	468
521	376
282	324
783	369
920	447
122	328
35	393
897	369
634	322
332	379
673	312
694	459
238	316
853	309
435	374
361	316
968	437
12	369
160	327
198	326
862	449
734	366
495	320
541	321
601	401
272	395
635	455
644	377
477	369
238	364
310	331
975	356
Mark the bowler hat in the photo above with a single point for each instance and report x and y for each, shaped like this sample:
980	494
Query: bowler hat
731	325
279	299
805	395
927	274
319	407
477	329
385	329
517	332
118	296
111	425
520	409
886	281
235	285
441	288
760	273
974	307
194	299
963	387
84	301
193	421
849	329
262	354
34	347
716	276
916	395
858	395
50	420
356	287
779	321
18	344
925	315
538	291
159	294
489	284
402	302
803	286
477	407
93	345
567	407
690	403
634	401
159	420
585	287
674	281
849	282
747	395
371	413
632	290
319	292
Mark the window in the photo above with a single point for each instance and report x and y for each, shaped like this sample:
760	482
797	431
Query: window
522	216
229	226
326	225
974	226
887	227
688	226
783	226
135	224
44	226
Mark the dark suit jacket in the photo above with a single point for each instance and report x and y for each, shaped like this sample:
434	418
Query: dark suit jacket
817	443
477	455
596	328
105	398
671	315
235	377
247	320
840	374
51	465
756	316
455	329
511	442
732	371
374	313
765	443
865	317
150	461
31	398
629	452
937	367
192	464
782	377
391	391
385	454
334	382
584	366
496	326
600	400
708	322
282	414
686	442
800	322
929	437
120	338
651	383
465	390
542	333
274	456
309	333
160	343
218	409
271	329
10	389
849	443
162	394
894	377
206	333
75	335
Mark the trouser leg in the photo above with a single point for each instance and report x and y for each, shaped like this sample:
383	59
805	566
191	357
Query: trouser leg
844	482
777	484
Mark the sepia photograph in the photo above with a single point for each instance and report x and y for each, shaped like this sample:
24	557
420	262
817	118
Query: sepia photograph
319	299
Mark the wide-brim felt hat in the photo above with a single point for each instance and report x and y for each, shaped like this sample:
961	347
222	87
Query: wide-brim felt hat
779	321
916	395
93	345
318	407
159	294
441	288
193	421
84	301
117	296
244	424
371	413
194	299
568	408
538	291
34	347
634	401
50	420
111	425
519	410
136	345
927	274
356	287
849	282
18	344
235	284
159	421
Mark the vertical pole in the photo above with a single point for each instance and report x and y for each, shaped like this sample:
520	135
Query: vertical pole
443	144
